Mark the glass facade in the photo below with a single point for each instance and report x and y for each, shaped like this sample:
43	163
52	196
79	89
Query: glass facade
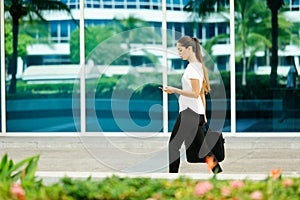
124	67
264	103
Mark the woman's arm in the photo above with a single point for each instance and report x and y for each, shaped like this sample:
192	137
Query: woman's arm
202	95
194	93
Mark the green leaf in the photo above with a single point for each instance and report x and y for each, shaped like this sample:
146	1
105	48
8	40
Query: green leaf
3	162
31	169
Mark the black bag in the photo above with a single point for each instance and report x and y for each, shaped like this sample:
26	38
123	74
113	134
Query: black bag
214	141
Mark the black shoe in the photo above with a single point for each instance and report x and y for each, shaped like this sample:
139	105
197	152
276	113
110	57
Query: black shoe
217	169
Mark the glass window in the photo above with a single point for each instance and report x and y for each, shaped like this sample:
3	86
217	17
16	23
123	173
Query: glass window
222	62
107	3
200	31
124	72
210	30
64	27
273	108
295	5
156	4
222	28
188	29
88	3
54	31
119	6
40	98
176	5
122	91
185	2
295	2
74	4
177	27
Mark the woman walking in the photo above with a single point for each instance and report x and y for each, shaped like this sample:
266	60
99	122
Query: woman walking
192	102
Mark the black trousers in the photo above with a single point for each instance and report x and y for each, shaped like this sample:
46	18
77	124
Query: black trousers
184	131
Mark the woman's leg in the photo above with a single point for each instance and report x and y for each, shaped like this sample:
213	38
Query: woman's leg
174	154
184	130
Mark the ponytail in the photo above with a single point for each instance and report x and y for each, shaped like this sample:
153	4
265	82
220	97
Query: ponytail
206	85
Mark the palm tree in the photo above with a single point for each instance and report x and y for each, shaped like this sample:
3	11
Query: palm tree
248	13
286	35
274	7
202	8
31	8
135	30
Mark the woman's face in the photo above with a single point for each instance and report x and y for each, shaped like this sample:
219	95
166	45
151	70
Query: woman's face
183	52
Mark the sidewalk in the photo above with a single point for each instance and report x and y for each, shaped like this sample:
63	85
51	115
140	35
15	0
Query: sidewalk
101	156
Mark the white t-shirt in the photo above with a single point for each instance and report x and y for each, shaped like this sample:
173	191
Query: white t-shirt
192	71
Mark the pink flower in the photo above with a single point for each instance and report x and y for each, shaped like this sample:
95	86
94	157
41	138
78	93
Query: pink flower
202	188
225	192
236	184
17	190
287	182
257	195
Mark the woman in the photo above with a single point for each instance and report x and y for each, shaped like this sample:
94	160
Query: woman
192	104
289	101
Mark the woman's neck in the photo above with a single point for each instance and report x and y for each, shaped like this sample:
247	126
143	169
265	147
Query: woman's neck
193	59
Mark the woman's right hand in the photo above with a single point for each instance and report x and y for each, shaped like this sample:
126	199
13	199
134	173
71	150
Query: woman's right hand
169	89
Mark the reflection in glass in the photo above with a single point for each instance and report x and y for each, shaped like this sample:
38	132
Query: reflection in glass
261	107
123	75
45	77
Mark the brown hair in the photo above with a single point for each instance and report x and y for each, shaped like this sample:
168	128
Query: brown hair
187	41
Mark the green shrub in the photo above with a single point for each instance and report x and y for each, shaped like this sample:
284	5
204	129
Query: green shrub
142	86
18	182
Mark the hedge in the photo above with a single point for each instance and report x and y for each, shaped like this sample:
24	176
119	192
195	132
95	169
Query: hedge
18	182
141	86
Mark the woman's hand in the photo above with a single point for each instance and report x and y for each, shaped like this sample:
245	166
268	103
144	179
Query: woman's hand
169	89
205	119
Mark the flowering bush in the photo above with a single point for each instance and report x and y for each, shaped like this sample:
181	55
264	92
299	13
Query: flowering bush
27	187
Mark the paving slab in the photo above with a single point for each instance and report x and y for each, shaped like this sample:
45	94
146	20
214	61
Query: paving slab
252	156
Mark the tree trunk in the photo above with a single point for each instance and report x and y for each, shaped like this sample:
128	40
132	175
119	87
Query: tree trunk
14	60
267	56
274	58
244	82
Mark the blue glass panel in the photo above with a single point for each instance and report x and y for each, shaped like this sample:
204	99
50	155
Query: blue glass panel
177	27
53	27
222	27
210	30
64	28
188	28
185	2
295	2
